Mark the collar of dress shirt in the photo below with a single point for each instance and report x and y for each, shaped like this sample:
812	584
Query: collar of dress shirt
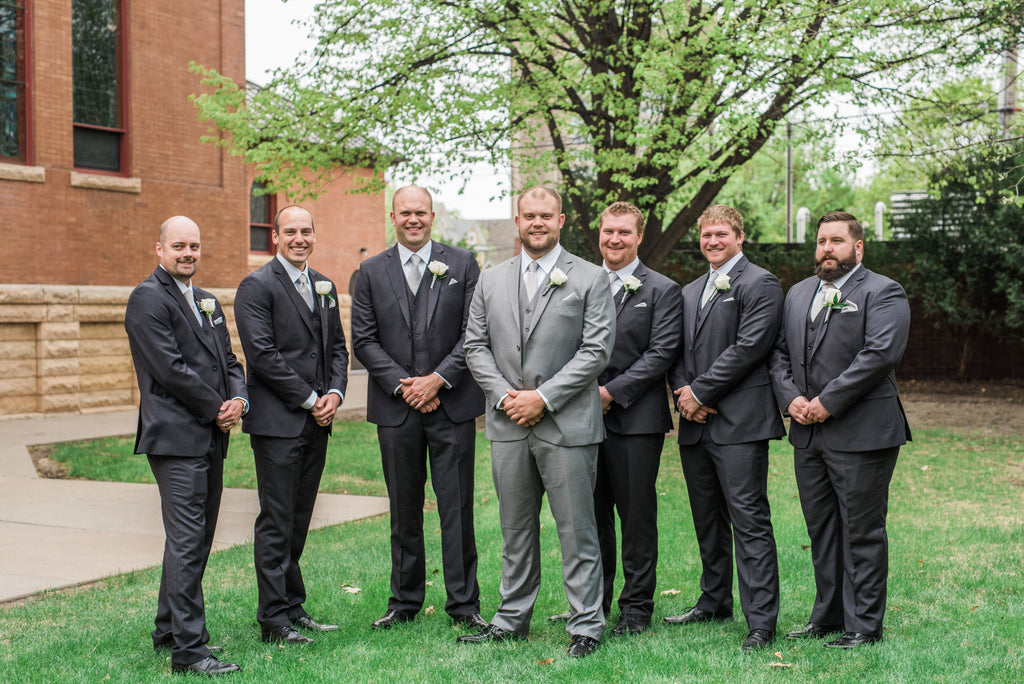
625	271
290	269
423	252
546	263
838	284
727	266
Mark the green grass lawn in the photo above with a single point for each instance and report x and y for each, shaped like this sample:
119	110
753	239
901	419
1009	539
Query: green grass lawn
956	589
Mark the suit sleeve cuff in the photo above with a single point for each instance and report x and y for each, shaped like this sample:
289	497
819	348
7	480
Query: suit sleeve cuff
447	384
338	392
547	404
310	401
245	404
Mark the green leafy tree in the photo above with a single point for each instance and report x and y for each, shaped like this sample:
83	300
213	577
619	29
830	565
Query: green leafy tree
964	248
659	101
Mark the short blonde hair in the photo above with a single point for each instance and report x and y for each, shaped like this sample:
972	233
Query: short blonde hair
621	209
550	192
720	213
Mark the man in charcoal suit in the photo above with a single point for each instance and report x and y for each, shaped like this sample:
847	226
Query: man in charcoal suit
192	392
540	331
844	330
408	323
636	415
290	329
724	396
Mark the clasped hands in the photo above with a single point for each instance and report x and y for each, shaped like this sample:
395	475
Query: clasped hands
689	408
807	412
523	407
325	407
229	415
420	392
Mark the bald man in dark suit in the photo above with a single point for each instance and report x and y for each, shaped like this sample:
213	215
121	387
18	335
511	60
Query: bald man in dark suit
191	393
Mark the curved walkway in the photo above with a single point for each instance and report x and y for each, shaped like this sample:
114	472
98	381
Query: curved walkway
59	533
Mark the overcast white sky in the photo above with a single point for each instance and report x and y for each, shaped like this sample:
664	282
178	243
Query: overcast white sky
273	40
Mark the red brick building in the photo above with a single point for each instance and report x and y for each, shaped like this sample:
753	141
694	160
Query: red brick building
99	144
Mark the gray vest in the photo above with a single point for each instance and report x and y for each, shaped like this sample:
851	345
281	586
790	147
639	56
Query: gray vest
418	320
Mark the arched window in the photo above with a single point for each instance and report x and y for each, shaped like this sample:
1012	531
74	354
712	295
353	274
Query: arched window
14	82
261	219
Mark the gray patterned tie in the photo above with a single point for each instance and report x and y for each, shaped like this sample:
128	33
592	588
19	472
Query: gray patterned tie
413	274
302	285
531	280
709	289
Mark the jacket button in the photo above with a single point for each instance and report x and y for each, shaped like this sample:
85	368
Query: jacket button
312	355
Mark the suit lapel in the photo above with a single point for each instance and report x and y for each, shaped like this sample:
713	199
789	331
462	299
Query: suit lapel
734	274
210	340
289	288
548	290
186	308
433	286
512	283
851	285
319	302
640	273
399	286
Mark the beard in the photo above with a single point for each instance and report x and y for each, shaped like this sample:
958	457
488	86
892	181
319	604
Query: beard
831	274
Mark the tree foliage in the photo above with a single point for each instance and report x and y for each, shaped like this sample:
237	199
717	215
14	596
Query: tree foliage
658	102
964	248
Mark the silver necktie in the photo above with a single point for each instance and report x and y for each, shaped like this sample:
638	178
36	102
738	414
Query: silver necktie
531	280
413	275
302	285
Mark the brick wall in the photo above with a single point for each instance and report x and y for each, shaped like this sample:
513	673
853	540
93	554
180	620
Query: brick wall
64	348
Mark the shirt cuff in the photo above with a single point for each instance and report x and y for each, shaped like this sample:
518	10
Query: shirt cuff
336	391
447	384
310	401
245	404
546	404
695	397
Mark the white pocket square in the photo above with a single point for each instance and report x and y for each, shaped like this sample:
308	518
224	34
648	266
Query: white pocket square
333	304
849	306
218	321
641	305
570	297
730	299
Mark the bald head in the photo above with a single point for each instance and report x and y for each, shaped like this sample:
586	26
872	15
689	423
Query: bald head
178	247
413	192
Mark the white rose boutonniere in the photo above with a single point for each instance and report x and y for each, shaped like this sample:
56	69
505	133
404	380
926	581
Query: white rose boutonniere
438	269
323	288
722	283
207	306
630	284
557	277
833	301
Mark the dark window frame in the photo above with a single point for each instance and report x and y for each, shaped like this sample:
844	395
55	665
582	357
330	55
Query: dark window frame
23	79
121	130
269	211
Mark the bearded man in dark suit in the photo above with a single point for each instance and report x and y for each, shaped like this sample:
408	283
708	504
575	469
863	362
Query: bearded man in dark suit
843	333
290	328
191	393
408	323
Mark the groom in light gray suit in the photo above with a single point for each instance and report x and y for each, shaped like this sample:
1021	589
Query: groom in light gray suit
844	330
541	329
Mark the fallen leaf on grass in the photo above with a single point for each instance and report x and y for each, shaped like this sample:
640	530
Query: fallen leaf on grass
546	661
973	609
778	654
804	547
925	468
429	610
780	664
670	592
350	589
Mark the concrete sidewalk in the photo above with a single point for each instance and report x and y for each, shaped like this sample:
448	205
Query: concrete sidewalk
58	533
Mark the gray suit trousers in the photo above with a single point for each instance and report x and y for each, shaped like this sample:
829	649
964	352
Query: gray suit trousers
523	471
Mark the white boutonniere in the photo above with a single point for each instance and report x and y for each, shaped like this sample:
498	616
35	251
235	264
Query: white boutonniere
630	284
438	269
323	288
557	277
207	307
722	283
833	297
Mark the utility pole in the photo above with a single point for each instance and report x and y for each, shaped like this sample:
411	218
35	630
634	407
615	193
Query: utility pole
789	182
1008	93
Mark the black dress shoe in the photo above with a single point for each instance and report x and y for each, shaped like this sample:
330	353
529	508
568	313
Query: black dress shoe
286	635
474	621
853	640
390	619
561	617
582	646
758	639
631	624
814	631
208	666
695	614
307	622
488	633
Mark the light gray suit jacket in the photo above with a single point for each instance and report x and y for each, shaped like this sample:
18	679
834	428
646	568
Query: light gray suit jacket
849	364
567	348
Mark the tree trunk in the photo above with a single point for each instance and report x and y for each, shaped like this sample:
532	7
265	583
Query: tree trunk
966	351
